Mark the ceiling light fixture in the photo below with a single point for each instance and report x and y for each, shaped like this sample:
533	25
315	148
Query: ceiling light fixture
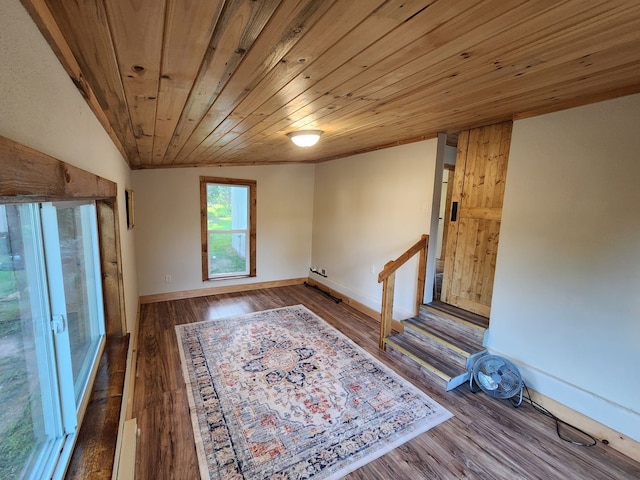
305	138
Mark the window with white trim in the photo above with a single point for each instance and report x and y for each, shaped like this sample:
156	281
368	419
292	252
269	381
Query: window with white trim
51	330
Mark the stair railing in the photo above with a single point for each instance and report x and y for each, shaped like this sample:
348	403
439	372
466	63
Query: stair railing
388	278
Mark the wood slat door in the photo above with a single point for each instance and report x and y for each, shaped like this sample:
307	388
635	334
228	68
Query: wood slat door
474	226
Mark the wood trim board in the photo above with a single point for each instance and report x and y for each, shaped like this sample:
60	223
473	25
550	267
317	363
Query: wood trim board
203	292
395	325
29	176
253	221
604	434
111	266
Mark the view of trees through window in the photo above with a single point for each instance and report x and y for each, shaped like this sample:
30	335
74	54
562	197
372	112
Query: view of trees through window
17	428
228	226
226	254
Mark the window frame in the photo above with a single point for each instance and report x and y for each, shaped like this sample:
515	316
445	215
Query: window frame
204	231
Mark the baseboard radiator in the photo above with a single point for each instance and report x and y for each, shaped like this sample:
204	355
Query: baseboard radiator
127	461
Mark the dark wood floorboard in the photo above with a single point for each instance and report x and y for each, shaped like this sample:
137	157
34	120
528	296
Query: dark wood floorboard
487	438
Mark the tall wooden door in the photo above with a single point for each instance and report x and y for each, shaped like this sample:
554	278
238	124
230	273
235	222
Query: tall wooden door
476	212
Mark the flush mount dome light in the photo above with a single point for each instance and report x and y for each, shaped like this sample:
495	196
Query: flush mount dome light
305	138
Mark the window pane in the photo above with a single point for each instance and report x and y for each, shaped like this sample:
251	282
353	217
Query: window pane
239	202
227	207
30	417
228	223
219	207
78	253
227	253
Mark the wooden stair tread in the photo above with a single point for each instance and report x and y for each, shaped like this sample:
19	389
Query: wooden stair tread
470	317
462	343
423	356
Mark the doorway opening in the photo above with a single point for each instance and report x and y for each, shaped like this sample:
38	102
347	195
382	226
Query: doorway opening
444	214
468	197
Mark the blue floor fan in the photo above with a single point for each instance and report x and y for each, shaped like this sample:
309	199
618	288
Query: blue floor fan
497	377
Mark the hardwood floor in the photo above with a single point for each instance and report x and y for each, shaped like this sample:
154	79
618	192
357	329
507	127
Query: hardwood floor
487	438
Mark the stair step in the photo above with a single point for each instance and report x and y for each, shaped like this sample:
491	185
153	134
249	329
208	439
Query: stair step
455	339
450	323
449	344
452	375
459	313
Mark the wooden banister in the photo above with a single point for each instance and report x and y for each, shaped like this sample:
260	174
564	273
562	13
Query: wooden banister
388	278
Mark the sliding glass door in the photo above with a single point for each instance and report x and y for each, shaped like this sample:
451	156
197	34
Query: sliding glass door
51	332
74	275
30	420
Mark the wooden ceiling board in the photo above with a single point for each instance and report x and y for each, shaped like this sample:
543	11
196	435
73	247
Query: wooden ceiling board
514	80
187	82
359	58
348	95
238	27
273	79
45	21
189	27
86	30
444	91
280	34
137	30
261	100
444	68
278	86
397	129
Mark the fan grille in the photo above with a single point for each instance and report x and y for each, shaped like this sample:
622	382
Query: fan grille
497	376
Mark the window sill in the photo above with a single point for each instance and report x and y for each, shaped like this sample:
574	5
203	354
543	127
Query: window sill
230	277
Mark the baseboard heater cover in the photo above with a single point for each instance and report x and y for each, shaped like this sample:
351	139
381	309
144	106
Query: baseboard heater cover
127	463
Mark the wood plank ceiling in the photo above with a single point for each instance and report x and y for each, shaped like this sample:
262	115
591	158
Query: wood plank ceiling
216	82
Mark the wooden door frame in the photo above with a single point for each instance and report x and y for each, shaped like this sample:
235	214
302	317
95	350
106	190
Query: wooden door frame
435	214
481	169
447	208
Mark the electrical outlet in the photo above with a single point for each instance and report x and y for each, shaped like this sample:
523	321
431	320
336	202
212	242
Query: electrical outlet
324	272
167	278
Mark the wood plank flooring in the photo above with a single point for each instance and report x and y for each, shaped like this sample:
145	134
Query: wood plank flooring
487	438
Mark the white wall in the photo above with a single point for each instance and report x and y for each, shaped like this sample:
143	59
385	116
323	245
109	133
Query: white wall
566	302
565	305
369	209
168	225
41	108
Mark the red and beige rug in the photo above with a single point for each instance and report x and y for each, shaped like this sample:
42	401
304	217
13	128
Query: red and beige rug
281	394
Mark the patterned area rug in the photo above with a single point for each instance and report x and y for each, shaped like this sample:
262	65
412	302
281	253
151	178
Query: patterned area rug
281	394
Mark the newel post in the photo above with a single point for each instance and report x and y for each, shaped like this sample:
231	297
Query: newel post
422	273
386	314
